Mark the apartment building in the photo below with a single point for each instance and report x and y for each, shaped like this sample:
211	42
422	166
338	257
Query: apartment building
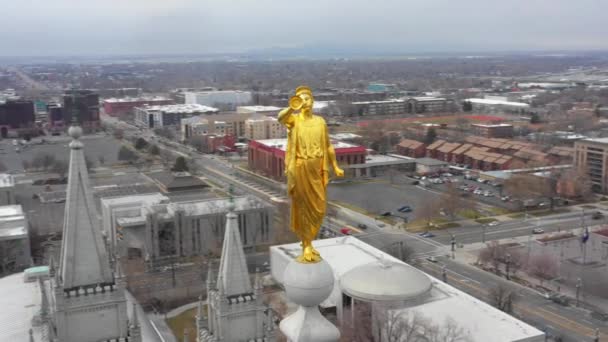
591	156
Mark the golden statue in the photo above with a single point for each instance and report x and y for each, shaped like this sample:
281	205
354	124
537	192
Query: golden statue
309	154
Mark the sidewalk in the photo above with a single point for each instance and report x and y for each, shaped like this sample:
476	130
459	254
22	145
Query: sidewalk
467	254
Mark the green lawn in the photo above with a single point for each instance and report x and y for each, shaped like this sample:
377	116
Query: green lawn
185	320
470	214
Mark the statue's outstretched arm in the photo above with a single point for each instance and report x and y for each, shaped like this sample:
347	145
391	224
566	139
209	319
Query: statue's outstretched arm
331	154
286	118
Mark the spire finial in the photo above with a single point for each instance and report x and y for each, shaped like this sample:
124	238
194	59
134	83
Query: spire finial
231	205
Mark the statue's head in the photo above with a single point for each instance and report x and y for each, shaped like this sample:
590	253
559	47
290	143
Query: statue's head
305	94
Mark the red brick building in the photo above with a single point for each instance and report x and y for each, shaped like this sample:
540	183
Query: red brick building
267	157
116	107
411	148
445	151
431	150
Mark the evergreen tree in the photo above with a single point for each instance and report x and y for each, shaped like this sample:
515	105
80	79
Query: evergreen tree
180	165
534	118
431	135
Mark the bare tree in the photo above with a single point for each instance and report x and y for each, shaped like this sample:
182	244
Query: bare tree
544	266
492	254
502	298
60	167
118	133
383	323
427	211
451	202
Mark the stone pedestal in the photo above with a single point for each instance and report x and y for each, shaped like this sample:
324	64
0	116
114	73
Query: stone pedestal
308	285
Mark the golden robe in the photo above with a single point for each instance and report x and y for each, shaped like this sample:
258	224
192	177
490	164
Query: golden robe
307	171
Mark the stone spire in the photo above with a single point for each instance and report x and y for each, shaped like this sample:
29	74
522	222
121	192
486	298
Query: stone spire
84	260
233	275
134	327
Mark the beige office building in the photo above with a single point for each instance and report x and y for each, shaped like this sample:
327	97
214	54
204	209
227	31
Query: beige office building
591	156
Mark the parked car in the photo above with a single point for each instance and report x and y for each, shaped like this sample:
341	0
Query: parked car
346	231
494	223
537	231
405	209
560	299
597	215
600	316
431	259
505	198
386	213
362	226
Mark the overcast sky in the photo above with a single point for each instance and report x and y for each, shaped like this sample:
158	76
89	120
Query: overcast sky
93	27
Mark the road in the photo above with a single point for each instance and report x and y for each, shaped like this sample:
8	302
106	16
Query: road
518	227
573	324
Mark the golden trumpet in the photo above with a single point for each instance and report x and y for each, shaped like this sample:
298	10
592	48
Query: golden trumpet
296	102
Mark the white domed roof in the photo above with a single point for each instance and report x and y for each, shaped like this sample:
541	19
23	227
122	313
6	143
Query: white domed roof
384	281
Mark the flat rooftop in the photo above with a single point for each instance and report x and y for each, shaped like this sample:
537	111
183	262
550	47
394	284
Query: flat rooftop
259	108
181	108
282	143
6	180
484	322
493	125
136	99
20	302
597	140
498	102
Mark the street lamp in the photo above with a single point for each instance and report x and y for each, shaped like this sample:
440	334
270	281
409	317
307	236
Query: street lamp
483	234
444	274
508	263
579	285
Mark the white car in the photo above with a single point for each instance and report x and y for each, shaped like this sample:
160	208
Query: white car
537	231
494	223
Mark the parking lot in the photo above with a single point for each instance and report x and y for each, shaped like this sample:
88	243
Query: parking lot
489	193
94	146
379	196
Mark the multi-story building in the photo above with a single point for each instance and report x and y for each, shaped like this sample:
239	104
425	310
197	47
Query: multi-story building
591	157
151	226
168	115
264	127
14	240
55	121
17	117
493	130
268	156
263	110
225	99
411	148
118	106
387	107
429	104
85	105
199	126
